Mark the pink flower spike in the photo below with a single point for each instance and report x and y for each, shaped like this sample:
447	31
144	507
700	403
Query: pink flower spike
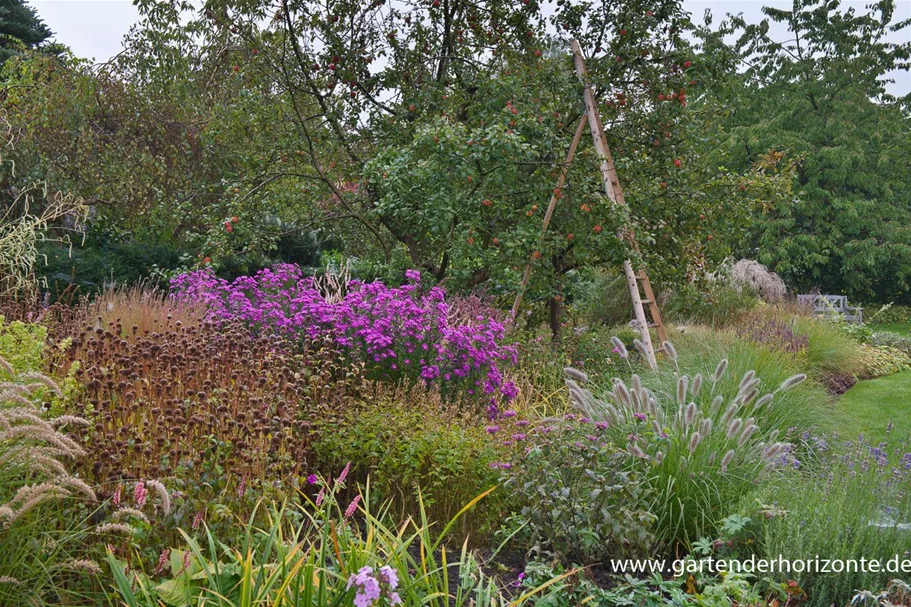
352	507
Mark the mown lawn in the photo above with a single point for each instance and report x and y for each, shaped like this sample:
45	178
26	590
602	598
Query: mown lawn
869	406
902	328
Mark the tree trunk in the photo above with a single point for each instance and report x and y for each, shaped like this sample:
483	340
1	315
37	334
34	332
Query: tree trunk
556	318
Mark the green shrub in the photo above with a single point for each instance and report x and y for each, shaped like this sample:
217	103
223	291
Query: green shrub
22	345
848	505
403	445
889	338
603	300
879	361
579	500
888	315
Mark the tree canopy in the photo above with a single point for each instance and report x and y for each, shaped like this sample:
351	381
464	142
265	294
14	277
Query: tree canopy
430	135
20	28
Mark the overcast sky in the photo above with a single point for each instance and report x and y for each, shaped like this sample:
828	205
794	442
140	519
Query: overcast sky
95	28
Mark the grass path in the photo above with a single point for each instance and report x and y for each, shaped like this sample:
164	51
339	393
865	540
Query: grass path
870	405
902	328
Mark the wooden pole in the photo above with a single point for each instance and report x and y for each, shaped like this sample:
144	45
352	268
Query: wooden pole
558	193
615	194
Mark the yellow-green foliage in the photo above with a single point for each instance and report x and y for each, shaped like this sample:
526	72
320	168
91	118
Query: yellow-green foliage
403	446
22	345
879	361
830	350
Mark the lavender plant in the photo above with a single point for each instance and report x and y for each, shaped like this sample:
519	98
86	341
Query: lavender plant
853	502
698	450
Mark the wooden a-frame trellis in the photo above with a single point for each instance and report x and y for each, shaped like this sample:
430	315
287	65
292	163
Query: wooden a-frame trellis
615	194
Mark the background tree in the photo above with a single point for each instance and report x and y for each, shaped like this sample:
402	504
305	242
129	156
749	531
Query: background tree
819	99
20	28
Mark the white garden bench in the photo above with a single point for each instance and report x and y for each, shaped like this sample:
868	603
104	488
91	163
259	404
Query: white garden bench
832	305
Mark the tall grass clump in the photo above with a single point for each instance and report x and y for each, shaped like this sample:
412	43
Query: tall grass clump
853	502
40	534
702	446
322	553
138	310
805	406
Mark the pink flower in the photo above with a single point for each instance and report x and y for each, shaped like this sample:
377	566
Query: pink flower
352	507
140	494
341	477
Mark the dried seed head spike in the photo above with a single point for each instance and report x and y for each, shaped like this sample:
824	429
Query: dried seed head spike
622	392
636	383
720	370
652	406
575	374
749	396
70	420
115	528
620	347
748	431
682	385
696	385
7	368
747	377
635	400
659	457
126	513
766	399
733	427
690	415
85	565
47	381
716	403
79	485
705	427
695	439
612	413
636	451
792	381
670	350
726	460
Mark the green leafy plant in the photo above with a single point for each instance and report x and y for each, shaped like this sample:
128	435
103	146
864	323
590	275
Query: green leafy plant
578	498
880	361
320	553
409	440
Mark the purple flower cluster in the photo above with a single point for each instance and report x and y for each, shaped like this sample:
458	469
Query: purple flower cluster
401	332
371	587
